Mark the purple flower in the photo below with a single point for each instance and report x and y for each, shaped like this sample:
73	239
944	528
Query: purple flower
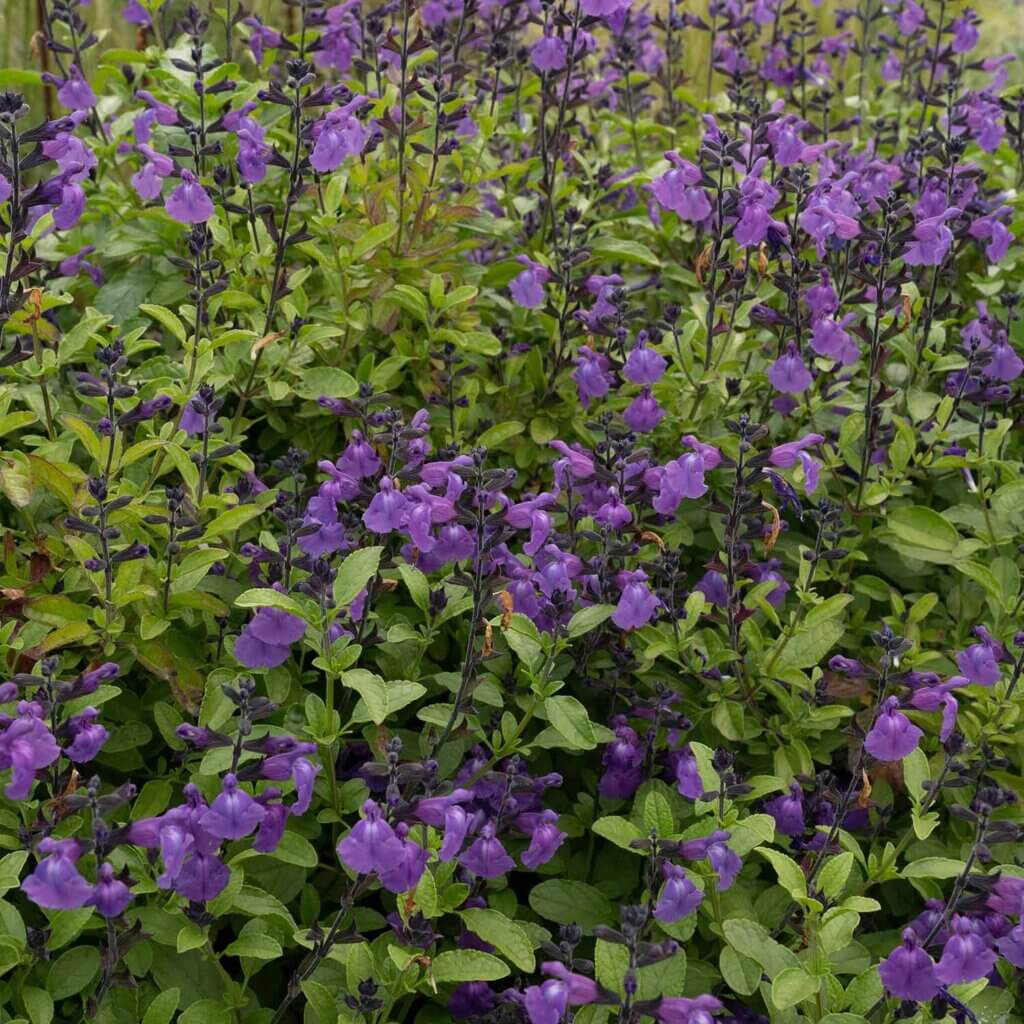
623	761
966	956
592	375
604	8
908	972
684	477
978	664
679	896
487	857
788	811
5	189
686	773
785	456
637	605
682	1010
613	513
87	736
527	287
644	365
203	878
75	93
372	844
935	698
471	999
677	189
26	746
148	180
456	825
56	884
405	873
339	134
726	863
893	736
189	203
545	839
265	641
579	463
644	413
789	373
829	338
234	813
965	32
910	17
932	240
135	14
547	1003
71	206
549	53
72	266
386	511
111	895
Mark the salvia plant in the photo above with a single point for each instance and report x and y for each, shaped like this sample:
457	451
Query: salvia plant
512	513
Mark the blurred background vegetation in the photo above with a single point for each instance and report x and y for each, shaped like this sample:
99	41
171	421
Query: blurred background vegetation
1003	32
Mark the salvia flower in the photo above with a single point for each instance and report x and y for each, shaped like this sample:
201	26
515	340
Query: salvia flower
110	896
893	736
966	956
908	972
56	883
338	135
527	287
189	203
679	896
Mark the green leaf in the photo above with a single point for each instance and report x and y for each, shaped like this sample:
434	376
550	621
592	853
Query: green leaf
206	1011
354	573
264	597
324	1004
752	940
38	1005
791	877
329	381
915	774
417	585
656	811
458	965
569	718
739	972
834	874
10	869
567	902
807	646
793	986
233	519
620	831
161	1009
366	243
372	689
507	937
864	991
933	867
523	637
623	249
500	433
828	609
191	936
256	946
163	316
398	694
72	971
589	618
923	527
412	300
